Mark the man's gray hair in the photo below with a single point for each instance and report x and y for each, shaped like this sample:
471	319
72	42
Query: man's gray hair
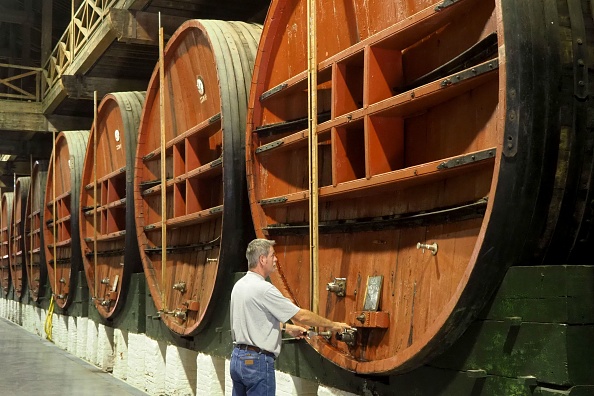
257	248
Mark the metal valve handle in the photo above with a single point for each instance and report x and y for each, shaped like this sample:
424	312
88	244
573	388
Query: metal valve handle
432	248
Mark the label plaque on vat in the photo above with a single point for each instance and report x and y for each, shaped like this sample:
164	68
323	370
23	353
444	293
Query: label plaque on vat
373	293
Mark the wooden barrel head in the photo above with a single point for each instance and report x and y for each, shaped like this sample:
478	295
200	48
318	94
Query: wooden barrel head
61	215
34	252
18	235
207	67
5	232
436	164
109	220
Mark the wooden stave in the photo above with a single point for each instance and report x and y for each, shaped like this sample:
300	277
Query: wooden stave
131	257
480	287
75	142
237	227
36	191
19	275
6	215
568	231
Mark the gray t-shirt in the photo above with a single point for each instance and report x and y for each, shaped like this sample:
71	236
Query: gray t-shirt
257	308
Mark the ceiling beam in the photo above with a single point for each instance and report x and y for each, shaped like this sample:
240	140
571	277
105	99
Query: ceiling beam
21	116
60	123
28	117
16	17
139	27
136	4
40	147
80	87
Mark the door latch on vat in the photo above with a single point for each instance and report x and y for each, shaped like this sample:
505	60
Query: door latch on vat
432	248
337	286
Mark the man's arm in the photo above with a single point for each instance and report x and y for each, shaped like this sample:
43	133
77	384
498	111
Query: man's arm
303	316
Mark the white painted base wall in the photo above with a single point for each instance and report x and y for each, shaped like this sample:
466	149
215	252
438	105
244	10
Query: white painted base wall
149	365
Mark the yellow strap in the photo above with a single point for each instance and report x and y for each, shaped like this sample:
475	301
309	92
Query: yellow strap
49	320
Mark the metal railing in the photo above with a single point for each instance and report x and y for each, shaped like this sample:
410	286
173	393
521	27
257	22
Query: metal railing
84	23
20	82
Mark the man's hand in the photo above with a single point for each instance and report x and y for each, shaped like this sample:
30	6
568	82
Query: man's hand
296	331
311	319
339	327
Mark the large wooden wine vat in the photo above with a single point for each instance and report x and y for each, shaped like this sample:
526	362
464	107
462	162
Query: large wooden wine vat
5	218
207	73
61	215
108	231
453	141
17	236
35	255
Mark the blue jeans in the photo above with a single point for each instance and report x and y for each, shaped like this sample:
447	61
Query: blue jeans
252	373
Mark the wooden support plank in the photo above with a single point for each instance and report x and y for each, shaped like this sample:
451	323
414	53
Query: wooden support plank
26	32
24	148
546	294
67	123
46	30
22	122
580	359
553	353
54	97
136	4
139	27
573	391
29	117
16	17
81	87
426	380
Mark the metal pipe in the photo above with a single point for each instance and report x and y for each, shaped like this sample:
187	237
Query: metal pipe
312	78
163	167
95	192
31	220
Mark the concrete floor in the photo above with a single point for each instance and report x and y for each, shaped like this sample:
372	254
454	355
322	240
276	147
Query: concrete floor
30	365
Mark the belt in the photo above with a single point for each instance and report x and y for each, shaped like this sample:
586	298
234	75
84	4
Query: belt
255	349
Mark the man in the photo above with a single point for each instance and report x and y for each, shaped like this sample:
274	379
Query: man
257	311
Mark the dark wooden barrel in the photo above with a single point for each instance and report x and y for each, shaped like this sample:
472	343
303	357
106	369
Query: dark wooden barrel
6	208
453	141
69	152
18	271
109	219
208	67
35	254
